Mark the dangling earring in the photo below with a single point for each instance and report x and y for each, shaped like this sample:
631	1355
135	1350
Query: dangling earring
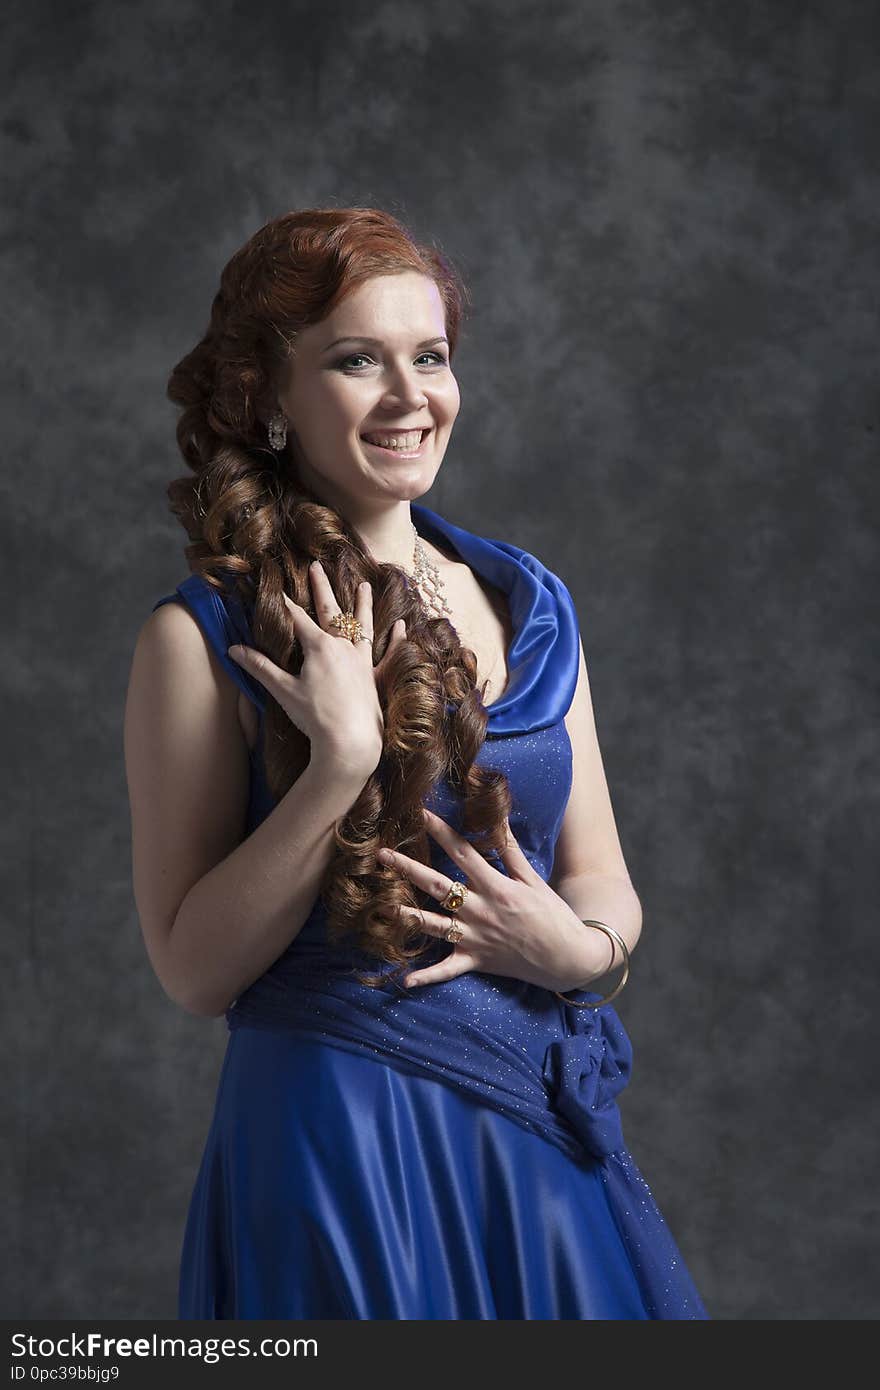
278	431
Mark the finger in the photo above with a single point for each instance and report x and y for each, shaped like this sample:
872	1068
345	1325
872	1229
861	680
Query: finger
422	875
363	611
326	603
328	606
434	923
458	962
305	627
516	863
477	869
396	635
277	681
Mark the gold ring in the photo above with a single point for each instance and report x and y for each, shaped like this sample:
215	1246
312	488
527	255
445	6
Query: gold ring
455	897
454	932
348	625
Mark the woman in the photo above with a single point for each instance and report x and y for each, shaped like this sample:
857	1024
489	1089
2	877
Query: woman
371	828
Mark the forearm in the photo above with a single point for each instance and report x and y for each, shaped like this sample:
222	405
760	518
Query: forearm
240	917
611	900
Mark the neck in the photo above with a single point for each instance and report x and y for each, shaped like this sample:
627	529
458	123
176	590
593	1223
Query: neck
386	525
387	533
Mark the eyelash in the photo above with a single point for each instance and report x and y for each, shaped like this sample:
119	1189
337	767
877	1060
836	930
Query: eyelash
342	361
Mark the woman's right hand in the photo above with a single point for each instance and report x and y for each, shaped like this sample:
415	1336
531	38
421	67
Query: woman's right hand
334	700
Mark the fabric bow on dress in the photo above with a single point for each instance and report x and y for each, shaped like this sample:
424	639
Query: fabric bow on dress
585	1072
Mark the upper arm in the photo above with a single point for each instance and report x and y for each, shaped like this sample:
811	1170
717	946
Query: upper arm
588	840
187	768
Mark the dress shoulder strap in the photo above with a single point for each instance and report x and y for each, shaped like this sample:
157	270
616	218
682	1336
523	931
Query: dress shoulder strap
223	620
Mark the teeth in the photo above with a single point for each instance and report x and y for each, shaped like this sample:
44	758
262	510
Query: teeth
404	442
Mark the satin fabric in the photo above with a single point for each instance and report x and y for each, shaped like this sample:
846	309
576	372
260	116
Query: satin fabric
519	1072
334	1187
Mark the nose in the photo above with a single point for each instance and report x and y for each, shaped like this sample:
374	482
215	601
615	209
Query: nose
405	392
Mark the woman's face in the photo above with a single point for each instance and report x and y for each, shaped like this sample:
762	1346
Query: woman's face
342	387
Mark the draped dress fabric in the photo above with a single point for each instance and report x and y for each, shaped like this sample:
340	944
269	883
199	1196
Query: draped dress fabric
450	1152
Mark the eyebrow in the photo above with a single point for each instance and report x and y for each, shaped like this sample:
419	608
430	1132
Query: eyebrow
377	342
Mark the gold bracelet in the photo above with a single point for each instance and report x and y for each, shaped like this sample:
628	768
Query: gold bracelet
612	936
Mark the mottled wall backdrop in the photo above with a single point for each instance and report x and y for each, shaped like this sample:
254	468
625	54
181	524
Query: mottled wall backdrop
667	214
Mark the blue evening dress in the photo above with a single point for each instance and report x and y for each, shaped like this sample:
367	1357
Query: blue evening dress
451	1152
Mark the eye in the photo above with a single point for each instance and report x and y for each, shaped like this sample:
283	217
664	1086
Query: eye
344	363
351	358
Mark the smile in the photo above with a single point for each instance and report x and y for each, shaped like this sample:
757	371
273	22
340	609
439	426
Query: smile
406	444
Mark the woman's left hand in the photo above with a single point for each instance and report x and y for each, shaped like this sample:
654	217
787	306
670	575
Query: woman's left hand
512	924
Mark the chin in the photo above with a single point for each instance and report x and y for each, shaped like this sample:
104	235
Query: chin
409	489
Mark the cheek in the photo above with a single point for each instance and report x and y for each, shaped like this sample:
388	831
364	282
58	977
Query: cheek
448	402
337	406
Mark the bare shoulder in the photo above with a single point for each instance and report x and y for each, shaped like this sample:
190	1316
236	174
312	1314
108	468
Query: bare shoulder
179	643
180	699
187	767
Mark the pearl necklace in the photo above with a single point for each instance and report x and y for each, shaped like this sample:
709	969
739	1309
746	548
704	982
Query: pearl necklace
426	576
430	587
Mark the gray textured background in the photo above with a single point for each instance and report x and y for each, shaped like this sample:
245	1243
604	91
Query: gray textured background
667	214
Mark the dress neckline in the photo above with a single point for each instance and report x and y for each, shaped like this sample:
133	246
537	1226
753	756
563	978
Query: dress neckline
542	657
426	529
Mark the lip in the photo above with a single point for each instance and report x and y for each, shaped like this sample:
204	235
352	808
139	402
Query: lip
427	430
